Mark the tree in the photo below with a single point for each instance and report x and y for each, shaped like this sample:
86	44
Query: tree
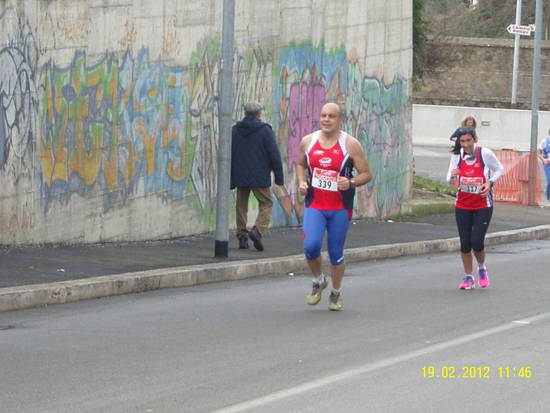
488	19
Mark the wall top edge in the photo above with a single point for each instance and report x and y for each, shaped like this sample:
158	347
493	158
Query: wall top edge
472	108
488	41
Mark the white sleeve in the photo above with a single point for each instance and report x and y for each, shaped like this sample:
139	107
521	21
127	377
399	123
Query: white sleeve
453	164
492	163
542	145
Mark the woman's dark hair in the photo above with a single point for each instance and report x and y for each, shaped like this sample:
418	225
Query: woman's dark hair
464	130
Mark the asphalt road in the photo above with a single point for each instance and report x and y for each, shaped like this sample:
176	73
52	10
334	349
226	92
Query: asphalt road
432	161
256	345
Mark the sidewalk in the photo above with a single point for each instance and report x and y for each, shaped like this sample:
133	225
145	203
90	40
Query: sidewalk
31	277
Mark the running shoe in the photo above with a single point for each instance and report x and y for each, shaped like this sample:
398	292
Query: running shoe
467	283
335	301
316	292
483	279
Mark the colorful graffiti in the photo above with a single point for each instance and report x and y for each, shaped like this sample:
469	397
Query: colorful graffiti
380	123
127	126
376	114
112	126
18	93
203	110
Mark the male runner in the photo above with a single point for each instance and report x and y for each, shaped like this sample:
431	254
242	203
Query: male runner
329	156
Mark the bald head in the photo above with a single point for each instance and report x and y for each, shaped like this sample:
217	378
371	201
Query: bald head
332	107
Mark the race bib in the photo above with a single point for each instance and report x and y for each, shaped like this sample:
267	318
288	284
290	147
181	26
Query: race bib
471	185
325	179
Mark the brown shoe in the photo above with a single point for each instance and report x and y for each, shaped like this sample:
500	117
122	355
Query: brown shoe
243	243
256	238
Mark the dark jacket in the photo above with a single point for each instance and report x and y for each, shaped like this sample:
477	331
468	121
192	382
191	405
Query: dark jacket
254	154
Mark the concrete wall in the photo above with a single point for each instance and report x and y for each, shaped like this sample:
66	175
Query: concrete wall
478	72
109	117
496	128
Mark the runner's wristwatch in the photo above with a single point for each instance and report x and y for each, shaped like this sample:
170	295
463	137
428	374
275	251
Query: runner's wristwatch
352	183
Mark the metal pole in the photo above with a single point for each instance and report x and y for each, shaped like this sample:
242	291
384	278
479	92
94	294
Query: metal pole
535	104
516	55
224	140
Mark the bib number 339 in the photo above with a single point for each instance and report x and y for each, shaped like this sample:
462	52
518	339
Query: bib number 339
325	179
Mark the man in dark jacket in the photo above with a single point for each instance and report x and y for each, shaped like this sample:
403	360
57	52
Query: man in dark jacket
254	154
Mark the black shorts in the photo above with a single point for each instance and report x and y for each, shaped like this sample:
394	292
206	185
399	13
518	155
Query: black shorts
472	227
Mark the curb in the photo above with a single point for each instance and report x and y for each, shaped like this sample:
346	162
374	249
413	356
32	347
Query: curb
36	295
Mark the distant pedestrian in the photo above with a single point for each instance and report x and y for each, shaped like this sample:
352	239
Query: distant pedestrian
254	155
468	121
544	156
476	170
324	172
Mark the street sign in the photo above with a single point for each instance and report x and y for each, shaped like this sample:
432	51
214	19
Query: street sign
517	29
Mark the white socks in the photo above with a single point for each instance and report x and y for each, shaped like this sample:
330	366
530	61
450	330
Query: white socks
320	279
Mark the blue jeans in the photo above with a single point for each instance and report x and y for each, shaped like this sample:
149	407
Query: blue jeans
547	172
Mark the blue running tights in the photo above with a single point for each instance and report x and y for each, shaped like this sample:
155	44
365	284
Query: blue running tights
336	223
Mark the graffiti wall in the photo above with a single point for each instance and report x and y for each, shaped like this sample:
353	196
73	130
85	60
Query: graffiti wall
18	94
122	145
375	113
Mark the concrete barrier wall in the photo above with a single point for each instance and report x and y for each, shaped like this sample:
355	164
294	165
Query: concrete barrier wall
496	128
109	111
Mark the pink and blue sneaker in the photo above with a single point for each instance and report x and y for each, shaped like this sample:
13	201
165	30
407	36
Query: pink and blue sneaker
467	283
483	278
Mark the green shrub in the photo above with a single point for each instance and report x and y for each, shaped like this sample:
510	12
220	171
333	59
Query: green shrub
433	186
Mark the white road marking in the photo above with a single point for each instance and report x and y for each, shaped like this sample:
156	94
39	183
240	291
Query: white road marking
369	367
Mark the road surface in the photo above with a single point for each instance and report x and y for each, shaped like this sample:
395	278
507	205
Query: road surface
256	346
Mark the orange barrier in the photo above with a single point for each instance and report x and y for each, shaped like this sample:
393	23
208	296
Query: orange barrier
513	186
